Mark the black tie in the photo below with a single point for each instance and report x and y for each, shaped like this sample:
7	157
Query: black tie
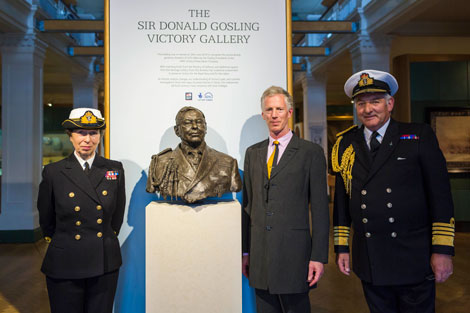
87	168
374	144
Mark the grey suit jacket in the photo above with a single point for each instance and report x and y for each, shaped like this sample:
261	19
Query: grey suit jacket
276	230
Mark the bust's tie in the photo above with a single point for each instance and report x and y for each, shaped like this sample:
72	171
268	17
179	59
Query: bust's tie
272	161
374	144
195	157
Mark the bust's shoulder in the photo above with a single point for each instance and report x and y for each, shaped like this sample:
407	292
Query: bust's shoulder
219	156
164	154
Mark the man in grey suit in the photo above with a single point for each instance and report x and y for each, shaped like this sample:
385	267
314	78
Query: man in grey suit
284	177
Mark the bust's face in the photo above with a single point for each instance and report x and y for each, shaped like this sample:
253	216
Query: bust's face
192	128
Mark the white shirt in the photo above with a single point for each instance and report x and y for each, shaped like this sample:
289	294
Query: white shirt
82	161
380	136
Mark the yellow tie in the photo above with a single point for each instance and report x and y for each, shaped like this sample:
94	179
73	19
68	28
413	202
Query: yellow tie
273	158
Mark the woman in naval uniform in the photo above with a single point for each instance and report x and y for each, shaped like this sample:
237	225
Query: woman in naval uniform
81	205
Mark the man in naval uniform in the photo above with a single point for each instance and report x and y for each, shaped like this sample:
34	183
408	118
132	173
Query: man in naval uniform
392	187
192	171
284	193
81	207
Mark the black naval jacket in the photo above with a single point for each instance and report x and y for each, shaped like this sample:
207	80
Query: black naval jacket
82	215
276	222
400	205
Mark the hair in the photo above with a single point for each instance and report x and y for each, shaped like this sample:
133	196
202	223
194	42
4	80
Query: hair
69	131
180	114
275	90
386	97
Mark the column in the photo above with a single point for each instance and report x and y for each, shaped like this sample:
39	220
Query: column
314	92
22	127
370	54
85	89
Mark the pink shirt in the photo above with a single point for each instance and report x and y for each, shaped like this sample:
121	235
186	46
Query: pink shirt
283	142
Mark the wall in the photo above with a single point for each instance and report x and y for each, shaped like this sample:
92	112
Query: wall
443	84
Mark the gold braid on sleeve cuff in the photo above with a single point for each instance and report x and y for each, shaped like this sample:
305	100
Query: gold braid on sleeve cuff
341	235
443	233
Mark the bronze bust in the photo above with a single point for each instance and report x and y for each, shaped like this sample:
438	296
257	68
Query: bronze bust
192	171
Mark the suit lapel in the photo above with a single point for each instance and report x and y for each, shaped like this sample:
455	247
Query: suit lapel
184	168
288	154
361	149
261	156
75	173
387	146
205	165
98	171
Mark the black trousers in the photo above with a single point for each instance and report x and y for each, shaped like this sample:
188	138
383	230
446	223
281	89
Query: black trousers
417	298
87	295
281	303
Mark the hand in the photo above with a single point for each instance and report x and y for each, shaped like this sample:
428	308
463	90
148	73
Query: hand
441	266
246	265
342	260
315	272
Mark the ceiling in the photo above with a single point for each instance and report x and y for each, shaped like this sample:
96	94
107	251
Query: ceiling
444	18
301	9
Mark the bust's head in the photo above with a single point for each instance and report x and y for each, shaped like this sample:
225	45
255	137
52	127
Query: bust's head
190	126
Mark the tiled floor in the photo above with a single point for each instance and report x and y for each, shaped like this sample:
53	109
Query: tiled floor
23	290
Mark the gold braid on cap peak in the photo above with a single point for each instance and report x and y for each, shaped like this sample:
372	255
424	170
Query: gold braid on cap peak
347	161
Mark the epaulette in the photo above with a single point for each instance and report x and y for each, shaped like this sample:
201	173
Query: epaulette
164	151
346	130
